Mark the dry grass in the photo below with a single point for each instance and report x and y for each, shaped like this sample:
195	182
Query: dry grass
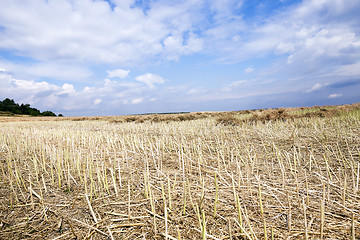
277	173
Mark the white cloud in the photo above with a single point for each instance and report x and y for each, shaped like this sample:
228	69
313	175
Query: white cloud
226	89
60	71
25	91
92	31
34	86
335	95
44	95
317	86
150	79
120	73
225	8
68	88
233	85
195	91
175	46
325	44
137	100
5	81
249	70
349	70
73	41
333	8
313	34
123	3
284	48
97	101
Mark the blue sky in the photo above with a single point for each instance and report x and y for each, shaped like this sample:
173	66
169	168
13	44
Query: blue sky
114	57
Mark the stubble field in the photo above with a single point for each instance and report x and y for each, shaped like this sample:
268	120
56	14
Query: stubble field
271	174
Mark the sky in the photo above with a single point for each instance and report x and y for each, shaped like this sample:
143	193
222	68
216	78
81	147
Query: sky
116	57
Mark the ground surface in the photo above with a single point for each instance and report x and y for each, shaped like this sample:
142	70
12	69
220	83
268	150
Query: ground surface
281	173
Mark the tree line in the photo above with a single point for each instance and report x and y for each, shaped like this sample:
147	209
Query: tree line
9	105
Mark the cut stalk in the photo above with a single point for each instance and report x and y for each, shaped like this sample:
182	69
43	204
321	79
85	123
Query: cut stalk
353	234
322	213
216	195
165	211
262	209
305	220
237	205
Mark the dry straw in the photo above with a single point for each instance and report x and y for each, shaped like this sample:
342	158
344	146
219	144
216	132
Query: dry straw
276	173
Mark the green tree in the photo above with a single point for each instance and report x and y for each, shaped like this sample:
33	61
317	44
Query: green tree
48	113
9	105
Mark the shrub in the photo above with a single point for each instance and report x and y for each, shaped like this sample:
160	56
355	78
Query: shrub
228	120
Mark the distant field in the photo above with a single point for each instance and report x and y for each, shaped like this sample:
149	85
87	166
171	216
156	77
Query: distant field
256	174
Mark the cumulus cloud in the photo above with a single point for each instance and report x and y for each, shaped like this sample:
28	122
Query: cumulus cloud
56	70
124	32
195	91
97	101
316	86
175	47
68	88
89	31
28	91
324	44
120	73
335	95
249	70
6	81
66	98
75	41
93	31
33	86
284	48
233	85
137	100
312	35
150	79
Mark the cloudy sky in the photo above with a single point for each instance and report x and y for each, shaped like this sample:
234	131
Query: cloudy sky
97	57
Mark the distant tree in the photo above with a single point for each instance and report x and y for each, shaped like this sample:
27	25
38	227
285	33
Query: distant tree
34	112
9	105
48	113
60	115
25	109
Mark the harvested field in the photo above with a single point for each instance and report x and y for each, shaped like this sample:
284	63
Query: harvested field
260	174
